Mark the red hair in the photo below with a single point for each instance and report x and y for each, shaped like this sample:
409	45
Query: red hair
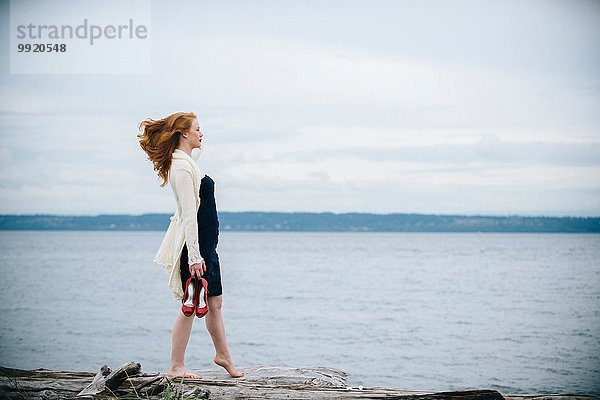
160	138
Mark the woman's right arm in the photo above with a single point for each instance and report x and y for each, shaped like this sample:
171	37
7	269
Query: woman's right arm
183	184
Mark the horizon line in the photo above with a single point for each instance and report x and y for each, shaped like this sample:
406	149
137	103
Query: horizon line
316	212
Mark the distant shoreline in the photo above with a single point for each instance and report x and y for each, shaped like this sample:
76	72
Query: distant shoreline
312	222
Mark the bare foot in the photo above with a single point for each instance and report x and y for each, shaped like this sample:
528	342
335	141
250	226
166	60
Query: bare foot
182	372
227	363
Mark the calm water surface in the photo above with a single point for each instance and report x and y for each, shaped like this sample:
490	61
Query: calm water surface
512	312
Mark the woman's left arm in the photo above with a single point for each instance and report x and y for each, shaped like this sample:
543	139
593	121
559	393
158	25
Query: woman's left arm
184	189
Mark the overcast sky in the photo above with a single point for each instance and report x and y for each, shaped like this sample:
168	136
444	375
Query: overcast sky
469	107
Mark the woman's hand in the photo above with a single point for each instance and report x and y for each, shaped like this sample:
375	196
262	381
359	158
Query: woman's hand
198	269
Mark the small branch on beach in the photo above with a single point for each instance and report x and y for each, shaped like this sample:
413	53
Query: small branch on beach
107	380
98	383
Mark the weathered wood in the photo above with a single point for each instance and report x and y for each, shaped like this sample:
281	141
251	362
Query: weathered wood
42	383
152	386
116	378
98	383
259	383
565	396
105	380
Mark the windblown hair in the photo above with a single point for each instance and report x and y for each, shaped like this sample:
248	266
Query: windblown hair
160	138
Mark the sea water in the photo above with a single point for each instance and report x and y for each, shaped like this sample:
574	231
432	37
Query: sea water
519	313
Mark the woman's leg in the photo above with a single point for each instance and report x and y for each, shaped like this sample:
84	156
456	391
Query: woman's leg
179	340
216	328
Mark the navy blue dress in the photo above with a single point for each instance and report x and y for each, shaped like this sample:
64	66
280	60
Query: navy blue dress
208	237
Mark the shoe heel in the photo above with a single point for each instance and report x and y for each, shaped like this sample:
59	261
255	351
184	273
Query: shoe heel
188	305
201	298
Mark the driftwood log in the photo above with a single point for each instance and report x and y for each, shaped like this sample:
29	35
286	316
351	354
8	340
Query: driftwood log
128	382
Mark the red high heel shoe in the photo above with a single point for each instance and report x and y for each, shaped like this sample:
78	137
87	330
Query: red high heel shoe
188	303
201	299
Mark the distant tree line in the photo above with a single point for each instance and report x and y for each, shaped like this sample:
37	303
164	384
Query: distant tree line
305	222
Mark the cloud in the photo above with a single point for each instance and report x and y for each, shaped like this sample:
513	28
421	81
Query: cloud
398	107
488	151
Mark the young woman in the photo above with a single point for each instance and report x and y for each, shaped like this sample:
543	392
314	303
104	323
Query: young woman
173	144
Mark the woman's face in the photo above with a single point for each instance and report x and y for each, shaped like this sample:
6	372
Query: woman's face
195	135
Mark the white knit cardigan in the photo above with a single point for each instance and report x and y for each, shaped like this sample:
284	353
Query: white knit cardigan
184	178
